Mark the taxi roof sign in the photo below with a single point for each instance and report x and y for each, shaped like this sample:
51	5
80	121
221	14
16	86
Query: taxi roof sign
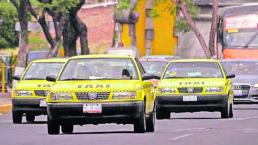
121	51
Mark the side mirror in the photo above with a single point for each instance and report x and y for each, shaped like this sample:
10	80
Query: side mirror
51	78
230	76
17	77
150	77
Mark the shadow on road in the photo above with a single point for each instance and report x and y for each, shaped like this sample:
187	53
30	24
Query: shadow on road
194	118
249	108
36	122
108	132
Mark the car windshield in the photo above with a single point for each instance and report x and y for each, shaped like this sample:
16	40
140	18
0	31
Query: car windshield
99	69
154	67
244	39
193	70
241	68
40	70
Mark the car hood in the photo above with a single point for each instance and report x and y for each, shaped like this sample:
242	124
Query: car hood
96	85
33	85
192	82
245	79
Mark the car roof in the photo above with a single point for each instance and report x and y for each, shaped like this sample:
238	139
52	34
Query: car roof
159	58
195	60
102	56
51	60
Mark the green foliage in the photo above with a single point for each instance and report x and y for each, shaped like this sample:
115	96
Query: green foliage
8	35
182	26
123	4
62	6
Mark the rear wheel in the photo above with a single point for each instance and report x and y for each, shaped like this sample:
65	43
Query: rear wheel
67	128
140	123
162	114
17	117
53	126
30	118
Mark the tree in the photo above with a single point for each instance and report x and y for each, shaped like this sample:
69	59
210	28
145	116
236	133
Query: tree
67	24
8	36
183	6
22	9
213	27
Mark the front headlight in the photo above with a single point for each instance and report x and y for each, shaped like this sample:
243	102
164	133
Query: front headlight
214	89
61	96
167	90
23	93
124	95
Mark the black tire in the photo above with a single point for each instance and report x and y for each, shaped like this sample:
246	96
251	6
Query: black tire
150	123
162	114
67	128
231	112
30	118
140	123
225	111
53	126
17	117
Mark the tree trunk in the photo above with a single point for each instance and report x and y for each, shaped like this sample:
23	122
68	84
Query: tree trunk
69	39
213	30
22	9
194	28
83	32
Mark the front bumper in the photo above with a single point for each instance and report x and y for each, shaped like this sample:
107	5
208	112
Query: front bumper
175	103
30	105
115	112
248	96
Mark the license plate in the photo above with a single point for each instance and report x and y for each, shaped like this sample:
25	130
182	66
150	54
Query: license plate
43	103
92	108
238	93
189	98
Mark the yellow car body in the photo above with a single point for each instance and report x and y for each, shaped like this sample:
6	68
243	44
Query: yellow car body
195	92
29	94
97	99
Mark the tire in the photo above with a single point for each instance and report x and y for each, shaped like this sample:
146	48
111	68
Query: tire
17	117
161	114
225	112
30	118
150	123
52	126
231	114
140	123
67	128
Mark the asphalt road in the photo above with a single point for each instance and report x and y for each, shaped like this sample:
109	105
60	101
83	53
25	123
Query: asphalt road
182	129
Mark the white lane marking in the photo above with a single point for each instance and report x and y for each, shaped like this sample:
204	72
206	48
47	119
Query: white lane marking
180	137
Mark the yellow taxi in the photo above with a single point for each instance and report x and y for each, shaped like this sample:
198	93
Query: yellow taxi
29	94
98	89
194	85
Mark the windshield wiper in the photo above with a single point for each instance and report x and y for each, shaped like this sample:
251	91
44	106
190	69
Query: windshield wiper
251	40
33	79
71	79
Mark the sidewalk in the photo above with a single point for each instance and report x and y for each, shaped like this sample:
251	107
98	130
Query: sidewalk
5	103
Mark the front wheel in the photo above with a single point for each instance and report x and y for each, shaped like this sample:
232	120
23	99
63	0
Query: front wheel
140	123
162	114
227	111
67	128
150	122
17	117
30	118
52	126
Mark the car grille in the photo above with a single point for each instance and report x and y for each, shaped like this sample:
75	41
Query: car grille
242	87
190	90
40	93
92	95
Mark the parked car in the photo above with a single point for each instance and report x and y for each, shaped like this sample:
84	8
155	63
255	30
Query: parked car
192	86
246	80
29	94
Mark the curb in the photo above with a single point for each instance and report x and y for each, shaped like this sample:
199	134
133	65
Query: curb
5	108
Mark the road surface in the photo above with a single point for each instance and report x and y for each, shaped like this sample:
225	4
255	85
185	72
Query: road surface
202	128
